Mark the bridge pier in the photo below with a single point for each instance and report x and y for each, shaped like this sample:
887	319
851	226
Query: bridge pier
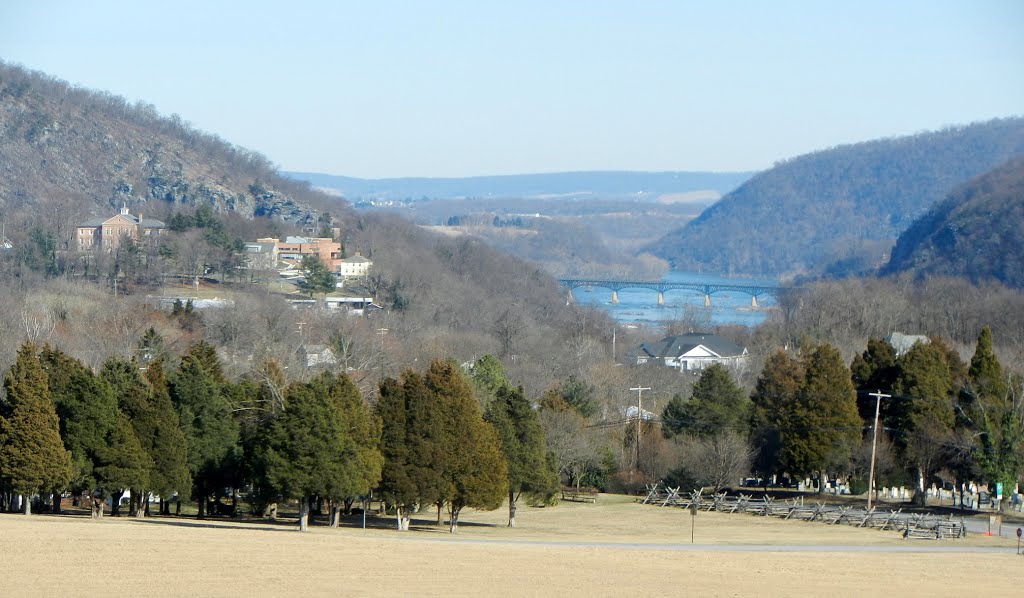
753	301
615	297
707	300
661	298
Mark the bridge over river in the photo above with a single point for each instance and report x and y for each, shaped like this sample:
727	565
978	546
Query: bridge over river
661	286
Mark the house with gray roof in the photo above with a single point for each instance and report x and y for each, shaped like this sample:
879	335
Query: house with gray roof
692	352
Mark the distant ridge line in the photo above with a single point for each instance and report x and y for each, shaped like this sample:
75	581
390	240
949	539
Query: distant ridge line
598	184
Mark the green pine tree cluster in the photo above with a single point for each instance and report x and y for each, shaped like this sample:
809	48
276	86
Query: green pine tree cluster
139	431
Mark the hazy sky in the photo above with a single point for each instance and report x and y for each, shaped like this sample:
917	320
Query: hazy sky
441	88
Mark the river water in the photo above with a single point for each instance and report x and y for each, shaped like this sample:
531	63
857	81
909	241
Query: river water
641	305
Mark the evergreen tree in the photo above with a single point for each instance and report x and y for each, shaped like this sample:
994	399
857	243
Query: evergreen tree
317	277
262	401
872	371
823	426
577	393
122	464
474	470
359	458
206	356
524	446
160	431
302	453
717	404
32	455
773	402
133	400
922	411
488	375
206	419
411	444
88	413
993	404
151	345
673	416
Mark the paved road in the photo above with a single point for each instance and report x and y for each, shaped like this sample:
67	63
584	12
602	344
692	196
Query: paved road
911	547
980	526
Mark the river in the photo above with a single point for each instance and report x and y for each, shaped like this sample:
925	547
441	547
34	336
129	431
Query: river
641	305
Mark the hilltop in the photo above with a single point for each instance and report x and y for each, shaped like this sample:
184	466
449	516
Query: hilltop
77	153
837	211
974	233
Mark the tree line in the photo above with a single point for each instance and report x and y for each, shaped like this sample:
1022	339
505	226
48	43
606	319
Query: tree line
942	421
190	433
452	437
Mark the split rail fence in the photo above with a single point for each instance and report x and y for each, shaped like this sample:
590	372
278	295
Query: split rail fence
910	525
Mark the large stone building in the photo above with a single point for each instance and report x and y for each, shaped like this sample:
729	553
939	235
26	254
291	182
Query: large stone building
106	233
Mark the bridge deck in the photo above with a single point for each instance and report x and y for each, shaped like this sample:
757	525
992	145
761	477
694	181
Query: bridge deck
662	286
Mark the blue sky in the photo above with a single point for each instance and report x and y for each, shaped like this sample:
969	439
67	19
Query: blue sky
376	89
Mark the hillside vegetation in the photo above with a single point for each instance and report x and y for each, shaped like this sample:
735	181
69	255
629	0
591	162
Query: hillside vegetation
974	233
72	153
837	211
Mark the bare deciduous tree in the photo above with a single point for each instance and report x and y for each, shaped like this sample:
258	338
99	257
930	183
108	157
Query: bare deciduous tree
717	461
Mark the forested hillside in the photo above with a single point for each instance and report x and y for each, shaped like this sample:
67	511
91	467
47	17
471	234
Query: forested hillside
71	153
976	232
838	211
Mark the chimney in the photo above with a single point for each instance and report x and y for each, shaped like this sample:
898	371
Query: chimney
142	229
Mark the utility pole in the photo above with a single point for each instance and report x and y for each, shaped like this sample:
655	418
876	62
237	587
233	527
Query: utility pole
874	442
639	394
382	332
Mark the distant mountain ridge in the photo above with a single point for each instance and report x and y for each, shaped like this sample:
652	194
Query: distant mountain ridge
837	211
977	232
590	184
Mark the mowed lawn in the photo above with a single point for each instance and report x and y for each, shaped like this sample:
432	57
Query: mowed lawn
613	548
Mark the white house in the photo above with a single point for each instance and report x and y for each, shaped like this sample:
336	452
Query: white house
357	265
901	343
693	351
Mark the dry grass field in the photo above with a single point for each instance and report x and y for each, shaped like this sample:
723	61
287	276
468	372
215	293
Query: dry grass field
613	548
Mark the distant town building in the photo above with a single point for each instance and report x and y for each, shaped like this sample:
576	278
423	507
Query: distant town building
355	266
691	352
106	233
261	256
901	343
314	356
295	248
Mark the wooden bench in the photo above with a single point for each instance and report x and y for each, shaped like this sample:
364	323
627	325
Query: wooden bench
579	495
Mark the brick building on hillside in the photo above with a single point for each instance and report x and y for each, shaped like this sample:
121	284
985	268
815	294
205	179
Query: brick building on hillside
295	248
106	233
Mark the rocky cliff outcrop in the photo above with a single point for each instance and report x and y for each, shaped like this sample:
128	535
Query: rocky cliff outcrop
90	152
